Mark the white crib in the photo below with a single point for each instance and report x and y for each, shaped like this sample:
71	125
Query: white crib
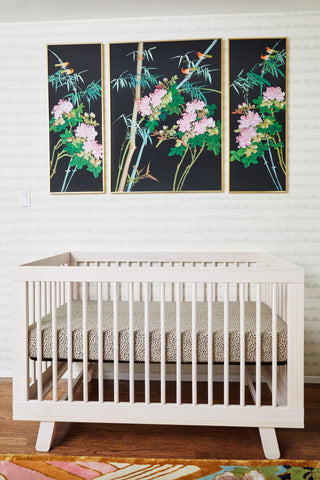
125	318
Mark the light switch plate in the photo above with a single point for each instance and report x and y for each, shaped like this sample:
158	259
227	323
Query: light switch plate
24	198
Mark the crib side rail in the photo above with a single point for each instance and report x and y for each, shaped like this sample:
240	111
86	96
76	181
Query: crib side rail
148	273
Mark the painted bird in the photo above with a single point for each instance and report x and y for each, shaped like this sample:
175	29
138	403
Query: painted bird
202	55
186	71
271	51
62	65
265	57
69	71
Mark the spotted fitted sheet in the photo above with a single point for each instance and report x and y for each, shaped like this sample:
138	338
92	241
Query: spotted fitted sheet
155	334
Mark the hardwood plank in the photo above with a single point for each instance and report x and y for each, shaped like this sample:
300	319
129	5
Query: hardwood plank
161	441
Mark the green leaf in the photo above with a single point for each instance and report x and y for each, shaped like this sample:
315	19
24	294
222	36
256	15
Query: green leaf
211	109
177	151
95	170
197	141
76	161
164	113
152	124
64	136
59	128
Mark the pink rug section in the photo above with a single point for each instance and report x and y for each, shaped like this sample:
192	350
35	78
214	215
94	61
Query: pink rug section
11	471
76	470
98	466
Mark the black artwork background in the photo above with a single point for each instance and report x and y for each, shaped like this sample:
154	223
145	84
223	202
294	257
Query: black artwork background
243	55
81	57
206	173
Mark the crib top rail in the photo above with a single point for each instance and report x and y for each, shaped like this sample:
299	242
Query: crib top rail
229	267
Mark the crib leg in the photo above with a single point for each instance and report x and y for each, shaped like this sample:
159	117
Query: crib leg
45	436
269	443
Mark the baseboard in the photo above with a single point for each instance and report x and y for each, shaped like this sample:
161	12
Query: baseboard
312	379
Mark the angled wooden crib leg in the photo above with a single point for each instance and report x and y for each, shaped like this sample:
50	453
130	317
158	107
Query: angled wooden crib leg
45	436
269	443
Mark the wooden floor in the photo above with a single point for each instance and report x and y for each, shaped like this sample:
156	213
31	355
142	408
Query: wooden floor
161	441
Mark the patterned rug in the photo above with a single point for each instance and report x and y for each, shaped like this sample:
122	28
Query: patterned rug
51	467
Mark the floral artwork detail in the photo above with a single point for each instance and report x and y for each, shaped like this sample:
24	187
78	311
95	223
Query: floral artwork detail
166	116
258	115
75	118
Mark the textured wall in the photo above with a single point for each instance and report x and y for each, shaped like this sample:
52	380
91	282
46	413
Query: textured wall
287	225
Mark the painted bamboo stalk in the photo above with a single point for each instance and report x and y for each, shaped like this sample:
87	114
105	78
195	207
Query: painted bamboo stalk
132	145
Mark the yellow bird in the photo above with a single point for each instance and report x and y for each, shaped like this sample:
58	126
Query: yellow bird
186	71
62	65
270	51
69	71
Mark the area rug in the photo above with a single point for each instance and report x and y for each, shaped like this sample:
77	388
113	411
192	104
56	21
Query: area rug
51	467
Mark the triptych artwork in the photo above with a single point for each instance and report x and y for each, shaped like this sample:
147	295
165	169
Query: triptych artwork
166	117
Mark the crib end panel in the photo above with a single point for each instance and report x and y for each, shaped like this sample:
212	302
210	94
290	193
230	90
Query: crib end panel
295	368
20	342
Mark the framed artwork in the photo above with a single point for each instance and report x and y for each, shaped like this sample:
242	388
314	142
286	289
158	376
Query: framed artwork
166	116
258	105
76	118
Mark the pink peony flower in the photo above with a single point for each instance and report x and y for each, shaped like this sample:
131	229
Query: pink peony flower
250	120
63	106
244	139
191	107
86	131
184	123
202	125
210	123
156	96
274	93
144	106
94	147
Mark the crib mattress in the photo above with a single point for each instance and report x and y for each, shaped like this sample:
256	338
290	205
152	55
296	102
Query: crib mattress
155	333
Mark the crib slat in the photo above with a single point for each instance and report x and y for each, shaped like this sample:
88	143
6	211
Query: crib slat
62	288
146	345
115	345
58	299
85	339
54	345
210	349
131	344
39	338
194	343
163	344
178	343
49	297
32	319
226	345
43	298
258	345
33	302
100	343
214	292
242	347
69	340
274	344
